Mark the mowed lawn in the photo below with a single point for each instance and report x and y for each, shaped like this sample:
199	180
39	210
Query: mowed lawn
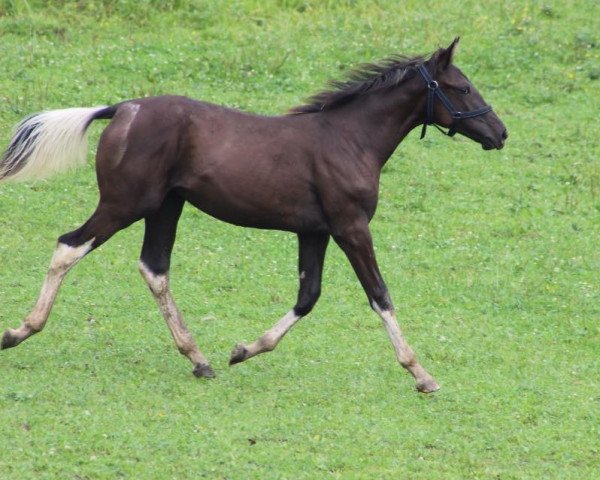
492	258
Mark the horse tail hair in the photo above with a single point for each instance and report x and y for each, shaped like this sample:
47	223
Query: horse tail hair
49	142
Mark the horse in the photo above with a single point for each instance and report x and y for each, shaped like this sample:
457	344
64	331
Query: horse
313	171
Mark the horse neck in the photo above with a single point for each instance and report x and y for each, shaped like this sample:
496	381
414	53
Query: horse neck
378	122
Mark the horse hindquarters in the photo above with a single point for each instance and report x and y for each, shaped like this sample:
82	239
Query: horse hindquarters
132	187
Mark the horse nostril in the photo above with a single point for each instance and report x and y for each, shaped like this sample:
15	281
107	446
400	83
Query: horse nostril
504	134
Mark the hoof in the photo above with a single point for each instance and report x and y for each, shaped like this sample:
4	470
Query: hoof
203	371
8	341
427	386
238	354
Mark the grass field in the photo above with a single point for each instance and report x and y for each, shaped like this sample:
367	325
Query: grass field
492	258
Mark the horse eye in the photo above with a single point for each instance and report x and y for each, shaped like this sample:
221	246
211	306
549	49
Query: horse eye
465	90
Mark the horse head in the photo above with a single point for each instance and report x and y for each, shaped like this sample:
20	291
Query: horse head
459	106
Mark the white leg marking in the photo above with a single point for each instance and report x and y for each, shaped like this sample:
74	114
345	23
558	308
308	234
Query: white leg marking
159	286
64	258
405	355
272	337
269	340
62	261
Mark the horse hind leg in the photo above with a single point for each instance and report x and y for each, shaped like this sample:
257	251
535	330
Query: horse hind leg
71	248
64	258
159	237
310	267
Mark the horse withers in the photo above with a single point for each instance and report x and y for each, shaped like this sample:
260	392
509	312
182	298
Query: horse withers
314	172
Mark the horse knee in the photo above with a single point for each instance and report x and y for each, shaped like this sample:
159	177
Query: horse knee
306	301
381	301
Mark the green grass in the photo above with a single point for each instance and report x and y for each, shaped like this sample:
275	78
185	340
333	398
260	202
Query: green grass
492	258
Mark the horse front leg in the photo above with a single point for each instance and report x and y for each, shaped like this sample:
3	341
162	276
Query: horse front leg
310	268
357	244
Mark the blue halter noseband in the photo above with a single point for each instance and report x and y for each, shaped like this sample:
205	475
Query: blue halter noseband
434	91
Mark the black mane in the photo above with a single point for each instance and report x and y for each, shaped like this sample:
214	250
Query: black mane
365	79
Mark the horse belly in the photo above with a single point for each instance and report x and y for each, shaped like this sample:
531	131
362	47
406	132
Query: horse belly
252	206
249	171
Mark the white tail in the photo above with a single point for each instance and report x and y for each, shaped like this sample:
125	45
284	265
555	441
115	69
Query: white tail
47	143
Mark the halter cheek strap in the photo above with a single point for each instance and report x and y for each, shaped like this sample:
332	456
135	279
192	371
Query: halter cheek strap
433	91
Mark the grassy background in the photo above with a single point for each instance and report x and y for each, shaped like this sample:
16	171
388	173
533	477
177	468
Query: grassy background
492	258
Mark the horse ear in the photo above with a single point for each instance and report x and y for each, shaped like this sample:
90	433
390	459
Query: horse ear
443	57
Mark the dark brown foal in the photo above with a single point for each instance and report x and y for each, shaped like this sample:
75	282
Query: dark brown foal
314	172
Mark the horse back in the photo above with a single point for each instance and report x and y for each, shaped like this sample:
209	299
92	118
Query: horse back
246	169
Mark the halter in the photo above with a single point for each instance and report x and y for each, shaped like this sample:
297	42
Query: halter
434	90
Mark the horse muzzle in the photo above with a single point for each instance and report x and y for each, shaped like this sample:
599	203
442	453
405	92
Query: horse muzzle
488	143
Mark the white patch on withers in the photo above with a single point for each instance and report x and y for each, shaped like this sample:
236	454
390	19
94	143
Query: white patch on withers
55	141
